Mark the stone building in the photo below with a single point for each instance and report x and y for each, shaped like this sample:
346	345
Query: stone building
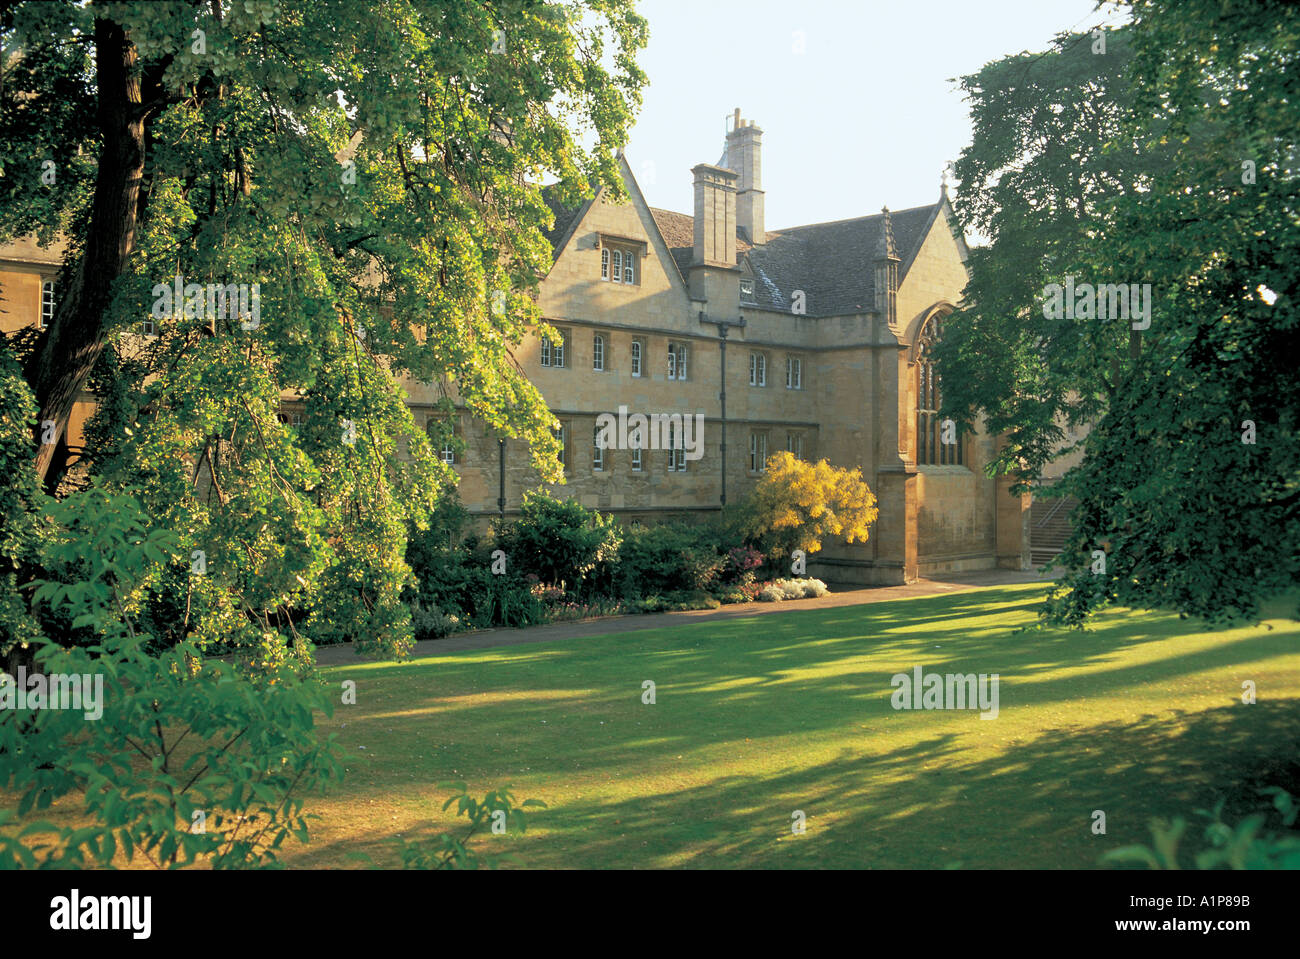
817	335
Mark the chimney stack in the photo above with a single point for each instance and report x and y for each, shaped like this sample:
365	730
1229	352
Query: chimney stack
715	216
745	156
714	276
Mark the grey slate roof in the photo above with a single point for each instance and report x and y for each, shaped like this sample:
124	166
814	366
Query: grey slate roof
833	263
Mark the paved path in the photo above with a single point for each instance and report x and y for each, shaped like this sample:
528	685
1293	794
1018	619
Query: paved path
604	625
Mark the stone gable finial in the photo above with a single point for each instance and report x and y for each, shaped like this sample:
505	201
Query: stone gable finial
888	248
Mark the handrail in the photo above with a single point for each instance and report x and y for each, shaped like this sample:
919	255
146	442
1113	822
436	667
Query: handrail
1059	505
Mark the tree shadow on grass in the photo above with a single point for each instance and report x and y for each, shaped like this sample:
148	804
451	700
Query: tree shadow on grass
928	804
572	711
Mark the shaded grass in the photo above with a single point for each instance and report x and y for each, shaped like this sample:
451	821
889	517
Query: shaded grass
757	717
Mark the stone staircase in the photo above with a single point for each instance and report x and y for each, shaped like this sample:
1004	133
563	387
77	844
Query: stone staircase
1049	525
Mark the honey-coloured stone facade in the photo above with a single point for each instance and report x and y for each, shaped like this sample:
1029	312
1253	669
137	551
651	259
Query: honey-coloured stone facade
832	314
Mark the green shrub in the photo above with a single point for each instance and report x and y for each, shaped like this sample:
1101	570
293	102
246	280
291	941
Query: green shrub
432	623
248	745
20	498
563	543
647	604
501	600
690	599
673	557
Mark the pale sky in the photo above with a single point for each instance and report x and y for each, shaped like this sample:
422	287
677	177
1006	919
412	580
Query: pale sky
865	116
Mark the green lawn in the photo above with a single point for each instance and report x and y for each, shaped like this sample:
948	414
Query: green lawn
761	716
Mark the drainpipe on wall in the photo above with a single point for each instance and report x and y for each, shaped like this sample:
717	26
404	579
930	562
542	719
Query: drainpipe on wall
501	491
723	326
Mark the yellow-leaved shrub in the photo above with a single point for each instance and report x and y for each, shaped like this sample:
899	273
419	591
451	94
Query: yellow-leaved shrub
797	504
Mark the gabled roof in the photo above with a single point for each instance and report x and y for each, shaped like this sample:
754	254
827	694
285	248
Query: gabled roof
568	219
832	263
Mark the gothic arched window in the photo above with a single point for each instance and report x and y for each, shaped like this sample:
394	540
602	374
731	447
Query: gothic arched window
935	445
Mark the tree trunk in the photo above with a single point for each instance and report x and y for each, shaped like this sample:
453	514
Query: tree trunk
58	370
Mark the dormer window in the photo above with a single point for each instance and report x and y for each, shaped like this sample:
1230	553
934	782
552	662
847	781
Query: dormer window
618	261
747	291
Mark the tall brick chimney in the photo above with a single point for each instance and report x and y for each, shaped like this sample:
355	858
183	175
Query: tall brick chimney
745	156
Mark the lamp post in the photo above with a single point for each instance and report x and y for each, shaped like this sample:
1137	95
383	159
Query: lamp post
723	326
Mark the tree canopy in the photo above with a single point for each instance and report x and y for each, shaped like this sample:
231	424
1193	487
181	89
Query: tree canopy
373	172
1163	158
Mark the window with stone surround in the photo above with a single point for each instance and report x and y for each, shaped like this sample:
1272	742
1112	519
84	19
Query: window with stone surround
563	434
597	451
676	361
47	303
553	354
676	449
757	369
618	262
931	450
638	351
794	444
290	417
758	452
793	372
598	352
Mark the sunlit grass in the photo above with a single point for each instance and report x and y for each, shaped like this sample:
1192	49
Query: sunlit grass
758	717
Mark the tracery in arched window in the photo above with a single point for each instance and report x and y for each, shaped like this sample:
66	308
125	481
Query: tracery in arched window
931	450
